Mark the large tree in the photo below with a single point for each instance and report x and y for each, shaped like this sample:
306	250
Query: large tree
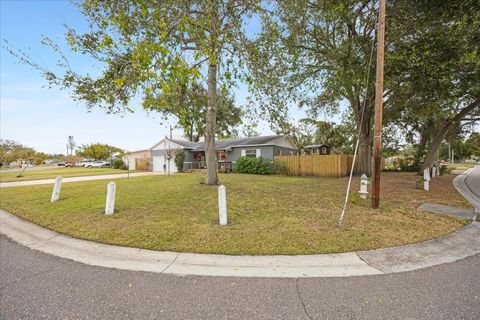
433	69
189	103
316	54
11	151
151	48
98	151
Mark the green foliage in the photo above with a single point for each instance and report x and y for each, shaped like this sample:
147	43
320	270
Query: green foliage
189	106
98	151
13	151
316	55
432	70
118	163
252	165
444	169
404	164
155	49
179	159
279	167
355	198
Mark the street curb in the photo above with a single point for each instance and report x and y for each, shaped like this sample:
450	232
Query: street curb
460	183
458	245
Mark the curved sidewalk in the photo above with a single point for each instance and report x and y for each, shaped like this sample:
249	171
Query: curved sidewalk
77	179
458	245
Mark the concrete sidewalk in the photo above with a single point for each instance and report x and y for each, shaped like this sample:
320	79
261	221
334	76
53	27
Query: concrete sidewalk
77	179
458	245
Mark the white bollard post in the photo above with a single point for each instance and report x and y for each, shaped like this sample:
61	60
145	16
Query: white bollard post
426	179
363	186
222	205
110	205
434	172
56	189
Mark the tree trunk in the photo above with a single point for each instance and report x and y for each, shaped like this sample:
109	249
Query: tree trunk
365	141
437	139
364	156
210	154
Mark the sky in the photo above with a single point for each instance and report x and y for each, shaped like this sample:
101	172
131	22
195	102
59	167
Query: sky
43	118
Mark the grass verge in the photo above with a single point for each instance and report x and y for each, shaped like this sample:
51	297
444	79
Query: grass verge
267	214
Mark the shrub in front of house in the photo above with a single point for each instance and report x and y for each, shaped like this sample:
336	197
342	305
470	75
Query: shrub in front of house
253	165
117	163
179	160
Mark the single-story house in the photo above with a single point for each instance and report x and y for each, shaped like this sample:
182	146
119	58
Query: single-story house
130	158
228	151
318	149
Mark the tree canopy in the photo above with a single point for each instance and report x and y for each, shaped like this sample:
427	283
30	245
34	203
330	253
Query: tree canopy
153	49
98	151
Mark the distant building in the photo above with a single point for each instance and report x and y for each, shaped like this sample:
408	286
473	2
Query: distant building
321	149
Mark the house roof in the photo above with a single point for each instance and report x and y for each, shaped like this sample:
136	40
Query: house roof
138	151
186	144
316	146
230	143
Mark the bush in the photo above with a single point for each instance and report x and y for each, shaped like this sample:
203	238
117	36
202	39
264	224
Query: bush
117	163
444	169
179	159
280	168
123	167
253	165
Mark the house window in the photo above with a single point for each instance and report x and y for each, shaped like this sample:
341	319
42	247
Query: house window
221	156
280	152
251	153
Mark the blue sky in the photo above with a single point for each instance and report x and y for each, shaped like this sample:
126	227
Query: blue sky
43	118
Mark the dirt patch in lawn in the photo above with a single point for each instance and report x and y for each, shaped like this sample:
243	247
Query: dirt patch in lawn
267	214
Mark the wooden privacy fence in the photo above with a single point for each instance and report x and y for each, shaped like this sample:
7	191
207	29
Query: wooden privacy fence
317	165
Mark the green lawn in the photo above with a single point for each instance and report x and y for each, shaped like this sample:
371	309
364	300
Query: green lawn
267	214
53	173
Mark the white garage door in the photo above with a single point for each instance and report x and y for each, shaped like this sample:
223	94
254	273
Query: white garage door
160	164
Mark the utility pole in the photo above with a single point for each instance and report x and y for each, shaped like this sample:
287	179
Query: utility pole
377	138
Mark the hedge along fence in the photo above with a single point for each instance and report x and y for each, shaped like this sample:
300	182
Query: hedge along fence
318	165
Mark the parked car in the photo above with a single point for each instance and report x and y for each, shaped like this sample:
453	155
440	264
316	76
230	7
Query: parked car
61	164
98	164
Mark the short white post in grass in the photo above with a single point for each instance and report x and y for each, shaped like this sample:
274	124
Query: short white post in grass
426	179
363	186
434	172
222	205
110	205
56	189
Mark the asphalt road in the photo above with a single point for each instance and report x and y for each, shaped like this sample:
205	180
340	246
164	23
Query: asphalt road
34	285
473	180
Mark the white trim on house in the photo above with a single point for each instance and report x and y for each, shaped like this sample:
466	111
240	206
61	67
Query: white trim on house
176	145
